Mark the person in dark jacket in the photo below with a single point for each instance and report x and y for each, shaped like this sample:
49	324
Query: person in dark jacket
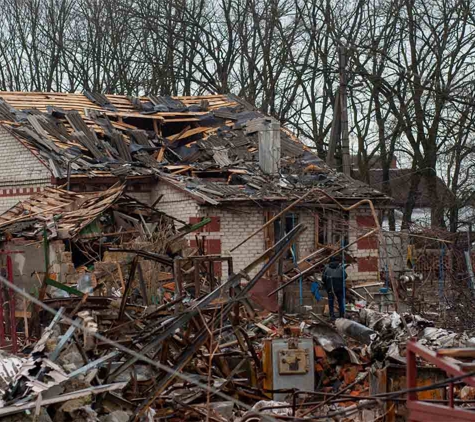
333	280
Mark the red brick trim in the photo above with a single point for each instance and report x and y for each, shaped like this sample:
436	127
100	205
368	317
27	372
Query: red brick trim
368	264
213	227
365	221
370	242
8	192
212	247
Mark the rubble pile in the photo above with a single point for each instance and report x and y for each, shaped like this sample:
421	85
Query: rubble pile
131	323
202	358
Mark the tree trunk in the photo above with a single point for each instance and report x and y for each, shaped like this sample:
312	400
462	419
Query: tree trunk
411	200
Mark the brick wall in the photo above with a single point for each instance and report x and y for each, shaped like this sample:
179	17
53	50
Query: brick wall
174	203
236	224
232	224
306	241
21	173
366	252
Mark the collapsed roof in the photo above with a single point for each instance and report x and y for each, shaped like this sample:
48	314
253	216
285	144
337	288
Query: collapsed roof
64	214
201	145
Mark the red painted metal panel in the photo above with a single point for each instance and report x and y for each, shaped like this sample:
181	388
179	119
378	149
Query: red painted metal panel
429	412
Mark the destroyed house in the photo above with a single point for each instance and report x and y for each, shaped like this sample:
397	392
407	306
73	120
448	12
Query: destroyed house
192	157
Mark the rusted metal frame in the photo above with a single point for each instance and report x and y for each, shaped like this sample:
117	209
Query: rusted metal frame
207	258
280	278
197	278
334	396
211	275
219	362
203	336
232	293
2	327
246	346
197	260
78	306
250	347
199	412
229	379
163	353
143	287
181	320
167	378
240	339
163	307
123	303
80	349
11	303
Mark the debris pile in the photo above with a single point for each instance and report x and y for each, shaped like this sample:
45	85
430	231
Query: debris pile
208	358
131	323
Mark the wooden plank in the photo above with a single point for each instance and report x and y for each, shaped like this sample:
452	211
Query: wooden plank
161	154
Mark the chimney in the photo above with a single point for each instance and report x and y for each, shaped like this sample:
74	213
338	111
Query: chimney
268	132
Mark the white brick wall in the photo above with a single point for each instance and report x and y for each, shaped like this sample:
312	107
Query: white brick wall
21	173
237	223
174	203
306	241
19	165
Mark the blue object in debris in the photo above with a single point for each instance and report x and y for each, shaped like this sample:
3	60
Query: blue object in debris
315	289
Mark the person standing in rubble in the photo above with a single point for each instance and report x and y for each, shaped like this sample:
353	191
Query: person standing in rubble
333	279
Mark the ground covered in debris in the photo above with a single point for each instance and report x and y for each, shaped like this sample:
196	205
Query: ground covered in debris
195	359
141	328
